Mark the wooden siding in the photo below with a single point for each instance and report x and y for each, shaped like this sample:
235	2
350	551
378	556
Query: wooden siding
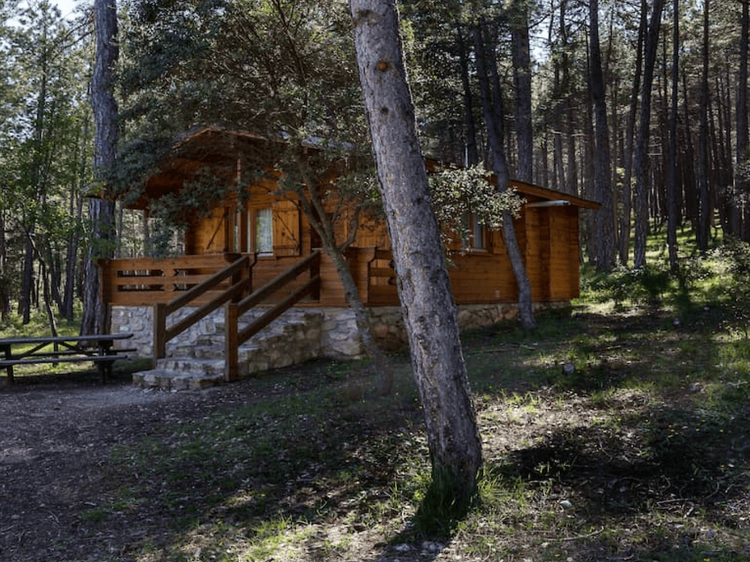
547	236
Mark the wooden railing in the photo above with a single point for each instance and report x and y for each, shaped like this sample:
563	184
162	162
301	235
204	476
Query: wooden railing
239	275
236	337
147	281
381	278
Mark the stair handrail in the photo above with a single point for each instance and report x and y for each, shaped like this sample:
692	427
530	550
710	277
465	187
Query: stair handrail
239	270
236	337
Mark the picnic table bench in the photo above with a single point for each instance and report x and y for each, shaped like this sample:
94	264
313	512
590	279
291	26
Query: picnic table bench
98	349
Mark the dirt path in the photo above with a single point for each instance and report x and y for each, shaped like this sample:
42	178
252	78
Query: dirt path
55	441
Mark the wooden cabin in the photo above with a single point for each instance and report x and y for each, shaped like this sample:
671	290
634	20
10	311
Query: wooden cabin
271	230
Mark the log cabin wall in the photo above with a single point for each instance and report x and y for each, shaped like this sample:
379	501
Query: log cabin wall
548	237
480	273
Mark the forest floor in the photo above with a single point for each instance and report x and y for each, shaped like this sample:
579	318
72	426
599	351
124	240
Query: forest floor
607	436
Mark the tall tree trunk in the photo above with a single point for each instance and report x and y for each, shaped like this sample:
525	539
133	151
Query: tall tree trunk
27	275
101	211
627	191
641	163
704	222
604	219
472	150
76	210
672	183
4	277
494	125
424	287
521	50
558	159
741	182
689	180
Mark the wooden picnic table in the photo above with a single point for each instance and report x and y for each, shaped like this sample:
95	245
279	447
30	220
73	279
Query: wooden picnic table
98	349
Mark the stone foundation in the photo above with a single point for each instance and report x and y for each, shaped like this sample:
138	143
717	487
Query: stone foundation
338	333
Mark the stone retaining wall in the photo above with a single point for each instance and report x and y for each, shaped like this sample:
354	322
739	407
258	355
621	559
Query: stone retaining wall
338	336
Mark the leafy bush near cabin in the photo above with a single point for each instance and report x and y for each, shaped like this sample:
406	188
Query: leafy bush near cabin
736	254
645	285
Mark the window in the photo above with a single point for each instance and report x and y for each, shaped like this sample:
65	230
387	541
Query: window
252	231
262	225
474	235
477	234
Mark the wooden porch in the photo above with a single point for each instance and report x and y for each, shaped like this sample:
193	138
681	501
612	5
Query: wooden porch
152	281
182	291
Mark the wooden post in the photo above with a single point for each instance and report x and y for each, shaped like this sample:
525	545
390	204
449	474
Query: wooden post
8	356
315	271
231	353
160	331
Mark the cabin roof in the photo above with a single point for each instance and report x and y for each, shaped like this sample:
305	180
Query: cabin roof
222	150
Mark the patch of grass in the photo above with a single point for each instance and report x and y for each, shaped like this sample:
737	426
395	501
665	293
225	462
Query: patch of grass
641	452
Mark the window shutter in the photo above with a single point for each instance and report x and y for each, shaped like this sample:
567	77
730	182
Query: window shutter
286	229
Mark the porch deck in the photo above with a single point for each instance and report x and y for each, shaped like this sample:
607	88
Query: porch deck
151	281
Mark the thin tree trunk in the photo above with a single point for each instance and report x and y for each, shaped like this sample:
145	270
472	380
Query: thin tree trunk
689	179
627	192
703	148
672	183
76	208
4	277
604	221
741	182
472	151
500	167
641	163
46	294
522	78
27	275
313	208
424	287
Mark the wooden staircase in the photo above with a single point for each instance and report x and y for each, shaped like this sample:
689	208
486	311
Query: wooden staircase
293	339
230	353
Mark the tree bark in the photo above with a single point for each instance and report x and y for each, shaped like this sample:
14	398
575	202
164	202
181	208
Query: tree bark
4	277
604	219
423	285
101	211
673	115
627	192
312	206
741	181
472	150
521	52
76	210
703	146
494	127
641	150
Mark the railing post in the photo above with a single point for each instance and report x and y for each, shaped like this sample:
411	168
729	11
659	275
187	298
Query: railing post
231	327
247	273
315	270
231	353
160	331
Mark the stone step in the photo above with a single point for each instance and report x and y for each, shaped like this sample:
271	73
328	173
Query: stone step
192	365
173	380
202	363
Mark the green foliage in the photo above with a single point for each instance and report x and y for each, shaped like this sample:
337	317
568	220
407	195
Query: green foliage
737	256
645	285
281	70
44	143
458	192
